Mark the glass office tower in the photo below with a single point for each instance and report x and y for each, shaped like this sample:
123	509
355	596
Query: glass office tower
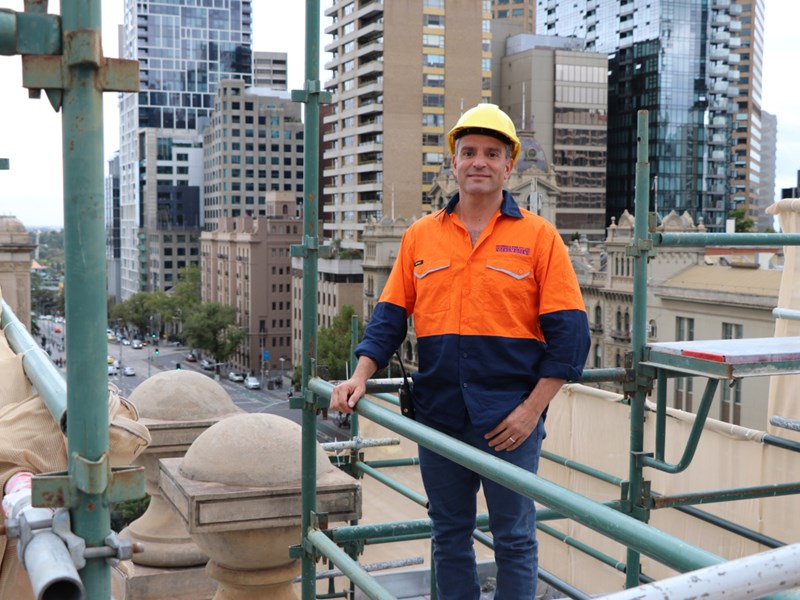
677	59
184	48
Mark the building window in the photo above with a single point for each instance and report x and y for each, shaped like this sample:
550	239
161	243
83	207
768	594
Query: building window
433	41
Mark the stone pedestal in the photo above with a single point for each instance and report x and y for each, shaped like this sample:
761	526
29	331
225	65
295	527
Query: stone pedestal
176	406
238	490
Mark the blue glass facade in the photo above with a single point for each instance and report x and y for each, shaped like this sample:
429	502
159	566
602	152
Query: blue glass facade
184	48
675	59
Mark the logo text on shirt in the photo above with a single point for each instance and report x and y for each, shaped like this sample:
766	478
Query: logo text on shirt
513	249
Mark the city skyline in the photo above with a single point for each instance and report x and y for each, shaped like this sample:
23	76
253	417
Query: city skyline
40	204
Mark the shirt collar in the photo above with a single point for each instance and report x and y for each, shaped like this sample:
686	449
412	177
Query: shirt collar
508	206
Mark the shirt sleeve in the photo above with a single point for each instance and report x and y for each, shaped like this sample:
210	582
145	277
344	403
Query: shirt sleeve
562	314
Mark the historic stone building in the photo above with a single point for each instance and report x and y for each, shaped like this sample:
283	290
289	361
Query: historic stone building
15	267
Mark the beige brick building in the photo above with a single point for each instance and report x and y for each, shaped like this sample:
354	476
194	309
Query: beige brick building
245	263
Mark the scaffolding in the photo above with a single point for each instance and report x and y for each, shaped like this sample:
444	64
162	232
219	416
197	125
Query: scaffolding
62	55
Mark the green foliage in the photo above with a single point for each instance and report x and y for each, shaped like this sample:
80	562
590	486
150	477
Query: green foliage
45	299
186	293
124	513
141	311
744	223
137	310
333	343
212	328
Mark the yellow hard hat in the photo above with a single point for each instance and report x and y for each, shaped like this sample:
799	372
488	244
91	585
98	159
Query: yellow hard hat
485	119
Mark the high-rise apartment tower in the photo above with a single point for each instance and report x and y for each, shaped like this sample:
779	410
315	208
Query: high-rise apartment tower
401	75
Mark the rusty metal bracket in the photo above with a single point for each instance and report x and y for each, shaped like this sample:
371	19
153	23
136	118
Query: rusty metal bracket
52	73
54	489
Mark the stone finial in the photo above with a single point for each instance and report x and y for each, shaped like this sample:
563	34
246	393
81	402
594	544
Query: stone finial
238	489
176	407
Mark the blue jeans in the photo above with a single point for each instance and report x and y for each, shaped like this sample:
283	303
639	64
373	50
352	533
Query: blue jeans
452	495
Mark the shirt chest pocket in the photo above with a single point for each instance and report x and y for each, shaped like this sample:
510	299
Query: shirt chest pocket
433	280
508	286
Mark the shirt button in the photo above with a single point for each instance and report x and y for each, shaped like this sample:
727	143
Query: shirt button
464	355
464	384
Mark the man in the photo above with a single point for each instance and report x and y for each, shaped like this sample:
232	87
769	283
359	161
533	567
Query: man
501	326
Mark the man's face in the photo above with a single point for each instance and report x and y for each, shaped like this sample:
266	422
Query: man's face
481	164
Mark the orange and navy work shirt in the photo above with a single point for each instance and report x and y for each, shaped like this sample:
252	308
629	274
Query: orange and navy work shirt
490	319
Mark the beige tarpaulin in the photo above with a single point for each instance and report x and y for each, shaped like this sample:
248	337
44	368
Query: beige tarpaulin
783	396
31	441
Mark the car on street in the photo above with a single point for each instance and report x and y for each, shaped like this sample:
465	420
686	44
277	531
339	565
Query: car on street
113	370
129	371
136	344
126	342
206	365
236	376
191	358
252	383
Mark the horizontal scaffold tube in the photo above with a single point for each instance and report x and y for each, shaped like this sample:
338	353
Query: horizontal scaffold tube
745	578
656	544
726	239
348	566
45	377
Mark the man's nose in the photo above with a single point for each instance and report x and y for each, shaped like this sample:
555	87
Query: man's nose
479	161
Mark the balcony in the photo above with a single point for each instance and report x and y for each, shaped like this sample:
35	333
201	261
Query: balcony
720	36
621	336
718	155
369	9
720	19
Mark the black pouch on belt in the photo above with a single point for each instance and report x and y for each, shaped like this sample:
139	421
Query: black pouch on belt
405	393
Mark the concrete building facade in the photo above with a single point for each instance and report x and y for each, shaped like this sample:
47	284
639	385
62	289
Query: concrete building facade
112	216
252	146
560	95
270	69
340	283
245	263
767	194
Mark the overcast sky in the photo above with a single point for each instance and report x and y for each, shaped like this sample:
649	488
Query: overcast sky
30	130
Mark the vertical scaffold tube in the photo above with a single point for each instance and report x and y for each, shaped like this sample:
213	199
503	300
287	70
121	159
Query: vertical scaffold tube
310	259
85	292
638	332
